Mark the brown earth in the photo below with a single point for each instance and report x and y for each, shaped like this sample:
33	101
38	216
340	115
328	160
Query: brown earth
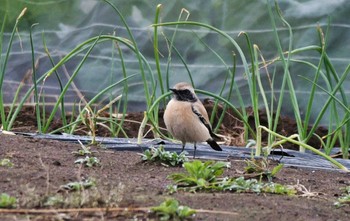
41	167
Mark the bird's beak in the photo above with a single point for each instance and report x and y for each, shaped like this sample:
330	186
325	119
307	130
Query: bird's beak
172	90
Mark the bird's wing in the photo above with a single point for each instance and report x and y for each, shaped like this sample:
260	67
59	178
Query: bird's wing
199	110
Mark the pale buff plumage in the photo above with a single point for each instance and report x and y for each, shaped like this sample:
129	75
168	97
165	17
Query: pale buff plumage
186	118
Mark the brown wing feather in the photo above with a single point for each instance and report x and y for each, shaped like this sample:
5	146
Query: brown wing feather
199	110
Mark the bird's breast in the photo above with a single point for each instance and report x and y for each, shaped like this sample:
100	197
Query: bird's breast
183	124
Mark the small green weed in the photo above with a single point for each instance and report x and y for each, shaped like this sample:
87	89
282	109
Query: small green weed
83	151
88	161
241	184
6	163
199	175
172	210
278	188
345	199
164	157
262	168
7	201
205	176
77	186
87	193
92	118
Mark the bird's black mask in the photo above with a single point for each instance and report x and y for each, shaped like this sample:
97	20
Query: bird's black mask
184	95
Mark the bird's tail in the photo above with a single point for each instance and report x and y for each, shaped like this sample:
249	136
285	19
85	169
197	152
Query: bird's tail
214	145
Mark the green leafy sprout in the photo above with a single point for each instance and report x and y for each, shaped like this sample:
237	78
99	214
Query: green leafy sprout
7	201
83	151
164	157
199	175
88	161
6	163
206	176
345	199
260	167
170	209
77	186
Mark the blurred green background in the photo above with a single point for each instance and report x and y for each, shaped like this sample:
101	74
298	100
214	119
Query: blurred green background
66	23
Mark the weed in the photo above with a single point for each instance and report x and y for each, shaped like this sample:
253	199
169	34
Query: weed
164	157
261	168
252	185
88	161
205	176
345	199
278	188
7	201
92	197
240	185
83	151
199	175
77	186
74	195
170	209
6	163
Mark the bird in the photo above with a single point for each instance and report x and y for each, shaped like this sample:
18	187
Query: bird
187	120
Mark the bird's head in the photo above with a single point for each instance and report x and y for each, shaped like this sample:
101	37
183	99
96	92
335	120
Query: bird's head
184	92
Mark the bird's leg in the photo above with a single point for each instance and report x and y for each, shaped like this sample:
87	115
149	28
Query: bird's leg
195	148
183	146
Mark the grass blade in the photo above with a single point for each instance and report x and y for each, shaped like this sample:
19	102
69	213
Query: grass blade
36	96
5	123
63	110
67	86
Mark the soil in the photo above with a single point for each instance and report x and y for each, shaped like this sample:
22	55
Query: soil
126	187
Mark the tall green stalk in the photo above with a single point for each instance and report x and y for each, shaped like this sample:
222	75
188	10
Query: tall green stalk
225	35
149	100
230	75
183	62
313	87
125	88
170	44
263	93
156	49
5	123
137	53
63	110
78	49
4	20
286	75
332	97
73	124
46	127
36	94
252	82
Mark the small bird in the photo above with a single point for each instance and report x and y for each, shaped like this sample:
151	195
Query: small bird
186	118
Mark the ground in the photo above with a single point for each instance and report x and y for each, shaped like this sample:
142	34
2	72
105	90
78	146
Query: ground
42	167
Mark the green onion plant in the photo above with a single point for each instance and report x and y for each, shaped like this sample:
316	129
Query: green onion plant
156	85
5	120
324	71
